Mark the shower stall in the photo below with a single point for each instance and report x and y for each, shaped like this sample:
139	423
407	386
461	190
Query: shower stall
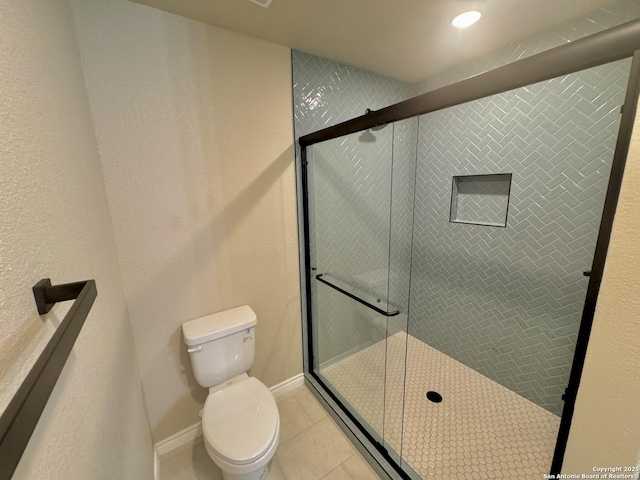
454	245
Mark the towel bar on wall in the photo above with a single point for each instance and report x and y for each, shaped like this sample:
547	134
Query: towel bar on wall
21	416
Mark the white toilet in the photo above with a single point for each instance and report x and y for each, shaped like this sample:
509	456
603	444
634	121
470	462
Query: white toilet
240	421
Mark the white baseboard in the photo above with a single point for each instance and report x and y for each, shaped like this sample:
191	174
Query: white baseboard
156	464
288	385
192	435
180	441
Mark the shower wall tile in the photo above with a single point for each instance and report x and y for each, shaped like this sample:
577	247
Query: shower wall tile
351	193
326	93
507	302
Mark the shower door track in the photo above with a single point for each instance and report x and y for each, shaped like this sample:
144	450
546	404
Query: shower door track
607	46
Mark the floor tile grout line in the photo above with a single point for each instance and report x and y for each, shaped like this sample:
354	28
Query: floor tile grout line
312	425
339	466
317	403
275	458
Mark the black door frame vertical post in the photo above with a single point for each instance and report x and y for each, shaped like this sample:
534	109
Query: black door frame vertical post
629	110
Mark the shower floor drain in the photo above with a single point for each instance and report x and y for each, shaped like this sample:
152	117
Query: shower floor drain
435	397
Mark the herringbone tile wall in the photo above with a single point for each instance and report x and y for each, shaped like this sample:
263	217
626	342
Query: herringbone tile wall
326	92
507	301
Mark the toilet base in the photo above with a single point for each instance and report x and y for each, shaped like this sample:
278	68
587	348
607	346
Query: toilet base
260	474
258	470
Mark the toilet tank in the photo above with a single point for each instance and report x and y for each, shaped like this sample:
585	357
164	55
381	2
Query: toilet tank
221	345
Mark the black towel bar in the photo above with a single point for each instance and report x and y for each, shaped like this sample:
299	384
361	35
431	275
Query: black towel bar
21	416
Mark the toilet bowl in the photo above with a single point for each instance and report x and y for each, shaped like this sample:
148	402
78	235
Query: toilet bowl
240	420
241	428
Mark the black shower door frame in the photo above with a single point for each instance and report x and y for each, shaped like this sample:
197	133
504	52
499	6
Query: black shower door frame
608	46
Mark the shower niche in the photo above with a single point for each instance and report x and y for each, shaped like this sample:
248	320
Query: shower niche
480	199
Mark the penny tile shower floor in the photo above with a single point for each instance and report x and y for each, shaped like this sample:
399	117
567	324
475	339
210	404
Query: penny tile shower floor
479	430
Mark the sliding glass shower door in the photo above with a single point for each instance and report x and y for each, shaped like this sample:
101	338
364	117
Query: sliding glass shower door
360	200
449	269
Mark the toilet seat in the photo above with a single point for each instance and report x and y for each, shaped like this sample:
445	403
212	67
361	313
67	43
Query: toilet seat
241	422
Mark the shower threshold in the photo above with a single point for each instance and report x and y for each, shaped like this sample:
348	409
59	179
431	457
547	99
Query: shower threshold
480	429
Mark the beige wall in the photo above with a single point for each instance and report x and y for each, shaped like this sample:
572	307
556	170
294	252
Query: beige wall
605	431
194	127
54	222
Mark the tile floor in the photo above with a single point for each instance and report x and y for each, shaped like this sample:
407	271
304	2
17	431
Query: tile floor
311	448
479	430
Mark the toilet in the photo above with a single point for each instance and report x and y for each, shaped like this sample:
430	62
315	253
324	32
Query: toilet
240	420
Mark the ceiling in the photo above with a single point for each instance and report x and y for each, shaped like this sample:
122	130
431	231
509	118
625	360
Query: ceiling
404	39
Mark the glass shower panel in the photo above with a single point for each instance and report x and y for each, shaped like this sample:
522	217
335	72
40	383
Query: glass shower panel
405	136
349	181
509	196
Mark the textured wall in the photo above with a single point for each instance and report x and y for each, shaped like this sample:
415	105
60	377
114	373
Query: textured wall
54	223
606	423
352	175
508	301
195	135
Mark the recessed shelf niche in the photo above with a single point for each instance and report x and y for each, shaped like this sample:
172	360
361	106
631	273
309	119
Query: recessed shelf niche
480	199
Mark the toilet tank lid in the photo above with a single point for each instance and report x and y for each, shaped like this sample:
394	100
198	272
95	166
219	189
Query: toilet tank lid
218	325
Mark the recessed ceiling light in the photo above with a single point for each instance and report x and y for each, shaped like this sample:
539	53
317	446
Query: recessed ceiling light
465	19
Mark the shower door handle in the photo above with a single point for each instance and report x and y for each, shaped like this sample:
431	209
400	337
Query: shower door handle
357	299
